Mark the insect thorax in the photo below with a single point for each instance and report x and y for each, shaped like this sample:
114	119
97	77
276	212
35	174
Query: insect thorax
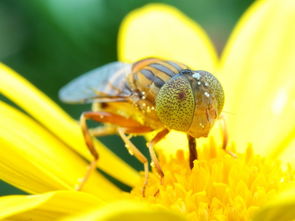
146	79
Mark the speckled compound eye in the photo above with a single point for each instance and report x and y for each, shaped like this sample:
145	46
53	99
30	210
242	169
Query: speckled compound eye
213	88
175	103
209	99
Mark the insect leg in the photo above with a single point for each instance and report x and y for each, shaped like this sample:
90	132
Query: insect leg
100	131
225	138
91	148
103	130
134	151
193	155
124	125
153	155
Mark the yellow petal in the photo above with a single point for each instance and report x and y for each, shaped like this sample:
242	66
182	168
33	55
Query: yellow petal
159	30
128	211
35	161
281	208
48	206
44	110
258	76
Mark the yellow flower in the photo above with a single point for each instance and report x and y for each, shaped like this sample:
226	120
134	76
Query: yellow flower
43	150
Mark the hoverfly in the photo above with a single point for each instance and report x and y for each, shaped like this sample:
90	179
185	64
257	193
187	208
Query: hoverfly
148	95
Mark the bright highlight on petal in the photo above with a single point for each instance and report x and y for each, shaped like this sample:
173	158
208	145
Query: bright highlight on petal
44	110
48	206
128	211
258	76
279	102
163	31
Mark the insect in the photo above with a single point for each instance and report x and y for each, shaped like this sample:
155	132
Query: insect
148	95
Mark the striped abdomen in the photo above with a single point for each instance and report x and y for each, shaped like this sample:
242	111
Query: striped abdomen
149	75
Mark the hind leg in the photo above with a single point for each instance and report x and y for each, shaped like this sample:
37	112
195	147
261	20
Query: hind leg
105	117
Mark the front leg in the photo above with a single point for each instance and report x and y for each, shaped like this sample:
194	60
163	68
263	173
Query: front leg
193	154
133	150
159	136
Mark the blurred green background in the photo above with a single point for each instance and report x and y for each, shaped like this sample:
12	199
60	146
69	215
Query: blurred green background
50	42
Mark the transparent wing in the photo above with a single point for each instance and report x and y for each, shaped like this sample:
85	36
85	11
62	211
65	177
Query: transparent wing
98	84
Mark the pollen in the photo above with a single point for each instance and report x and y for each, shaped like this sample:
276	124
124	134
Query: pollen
219	187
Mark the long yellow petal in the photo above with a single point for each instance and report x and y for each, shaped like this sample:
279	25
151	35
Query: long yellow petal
47	206
159	30
258	76
44	110
128	211
35	161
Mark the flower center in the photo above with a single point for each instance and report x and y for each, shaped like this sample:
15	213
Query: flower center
219	187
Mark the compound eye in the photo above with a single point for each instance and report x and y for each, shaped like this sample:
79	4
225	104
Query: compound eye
175	103
213	87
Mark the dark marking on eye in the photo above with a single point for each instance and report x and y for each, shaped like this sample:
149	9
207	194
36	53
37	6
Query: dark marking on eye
181	95
104	105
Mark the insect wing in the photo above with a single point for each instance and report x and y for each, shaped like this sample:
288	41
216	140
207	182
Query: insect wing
103	82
